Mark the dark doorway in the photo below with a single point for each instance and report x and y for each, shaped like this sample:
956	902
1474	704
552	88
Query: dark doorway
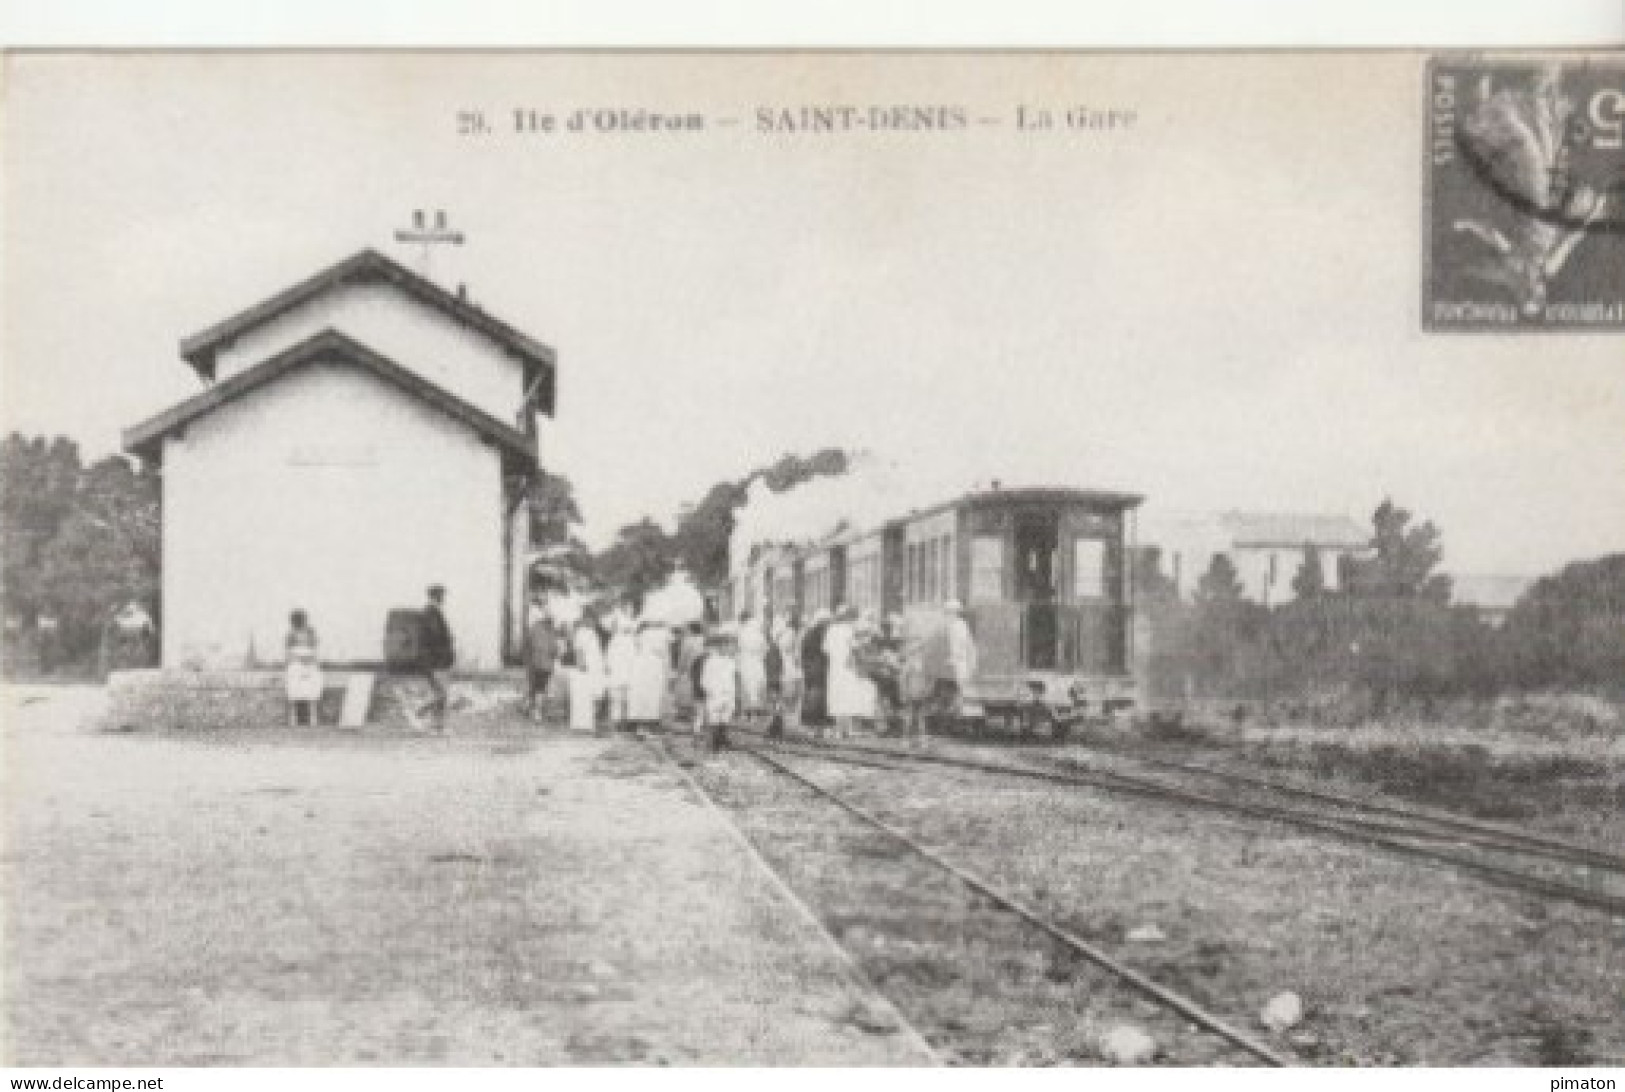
1037	539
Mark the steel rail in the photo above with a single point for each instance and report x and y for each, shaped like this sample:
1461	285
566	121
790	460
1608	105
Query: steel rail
1168	998
1349	830
1555	848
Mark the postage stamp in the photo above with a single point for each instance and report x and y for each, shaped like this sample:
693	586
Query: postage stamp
1524	223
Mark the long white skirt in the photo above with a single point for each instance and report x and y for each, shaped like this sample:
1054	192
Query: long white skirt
585	689
752	683
850	694
646	700
304	682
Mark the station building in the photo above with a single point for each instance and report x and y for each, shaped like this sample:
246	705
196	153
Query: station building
357	437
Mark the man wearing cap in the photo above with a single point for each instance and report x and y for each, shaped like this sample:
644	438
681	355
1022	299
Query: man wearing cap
438	654
541	653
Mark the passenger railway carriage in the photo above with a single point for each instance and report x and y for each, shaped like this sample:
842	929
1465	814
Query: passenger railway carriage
1043	574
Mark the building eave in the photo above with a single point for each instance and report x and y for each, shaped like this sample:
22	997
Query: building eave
330	346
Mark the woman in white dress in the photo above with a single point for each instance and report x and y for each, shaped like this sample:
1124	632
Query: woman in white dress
787	636
752	660
587	676
850	695
621	663
304	672
651	671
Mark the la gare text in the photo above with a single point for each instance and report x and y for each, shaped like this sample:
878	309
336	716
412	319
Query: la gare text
786	120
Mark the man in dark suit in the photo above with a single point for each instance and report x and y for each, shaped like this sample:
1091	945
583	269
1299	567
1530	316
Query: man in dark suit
438	654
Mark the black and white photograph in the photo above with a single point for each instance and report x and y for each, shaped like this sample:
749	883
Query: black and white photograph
813	558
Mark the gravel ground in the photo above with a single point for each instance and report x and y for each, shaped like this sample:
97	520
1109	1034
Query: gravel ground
984	987
278	898
1398	963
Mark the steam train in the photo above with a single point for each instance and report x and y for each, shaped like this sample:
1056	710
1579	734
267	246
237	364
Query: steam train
1043	575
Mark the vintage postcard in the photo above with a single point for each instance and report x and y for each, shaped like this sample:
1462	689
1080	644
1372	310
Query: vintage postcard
863	558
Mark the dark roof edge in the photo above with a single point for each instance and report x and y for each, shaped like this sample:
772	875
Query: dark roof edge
196	348
141	439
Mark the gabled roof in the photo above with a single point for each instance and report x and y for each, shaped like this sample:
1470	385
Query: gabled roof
369	266
328	346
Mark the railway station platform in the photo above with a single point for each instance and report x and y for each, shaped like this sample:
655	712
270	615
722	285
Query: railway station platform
287	897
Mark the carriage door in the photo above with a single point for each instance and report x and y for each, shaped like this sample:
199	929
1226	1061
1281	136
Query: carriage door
893	561
1037	539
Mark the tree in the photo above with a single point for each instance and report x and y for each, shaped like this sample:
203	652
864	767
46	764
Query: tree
641	559
1405	557
79	542
704	531
1168	620
1309	582
1225	625
554	513
1569	628
39	480
106	552
1220	586
554	517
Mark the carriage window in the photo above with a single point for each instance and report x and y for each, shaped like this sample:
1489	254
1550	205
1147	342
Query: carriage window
986	568
948	567
1089	568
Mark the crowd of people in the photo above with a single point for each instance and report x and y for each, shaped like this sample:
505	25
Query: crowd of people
841	673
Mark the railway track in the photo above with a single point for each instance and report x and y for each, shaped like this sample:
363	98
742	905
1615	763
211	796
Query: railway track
1160	995
1404	831
1458	827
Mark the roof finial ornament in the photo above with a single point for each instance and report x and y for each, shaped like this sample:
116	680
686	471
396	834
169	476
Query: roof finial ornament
428	235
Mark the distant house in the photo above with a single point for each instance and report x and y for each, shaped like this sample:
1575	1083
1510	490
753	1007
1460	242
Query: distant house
1491	594
1266	548
358	437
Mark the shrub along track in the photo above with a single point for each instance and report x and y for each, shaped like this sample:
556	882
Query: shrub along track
996	968
1549	868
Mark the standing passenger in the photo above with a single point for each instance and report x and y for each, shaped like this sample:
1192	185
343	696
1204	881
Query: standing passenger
304	672
621	664
752	673
961	649
815	670
719	680
541	654
647	698
438	652
587	677
847	689
773	668
914	683
690	647
788	639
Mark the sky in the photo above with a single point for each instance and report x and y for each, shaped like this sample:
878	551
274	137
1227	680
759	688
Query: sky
1216	306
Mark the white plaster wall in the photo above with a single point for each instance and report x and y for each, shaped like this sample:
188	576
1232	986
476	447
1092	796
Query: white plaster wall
411	334
333	491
